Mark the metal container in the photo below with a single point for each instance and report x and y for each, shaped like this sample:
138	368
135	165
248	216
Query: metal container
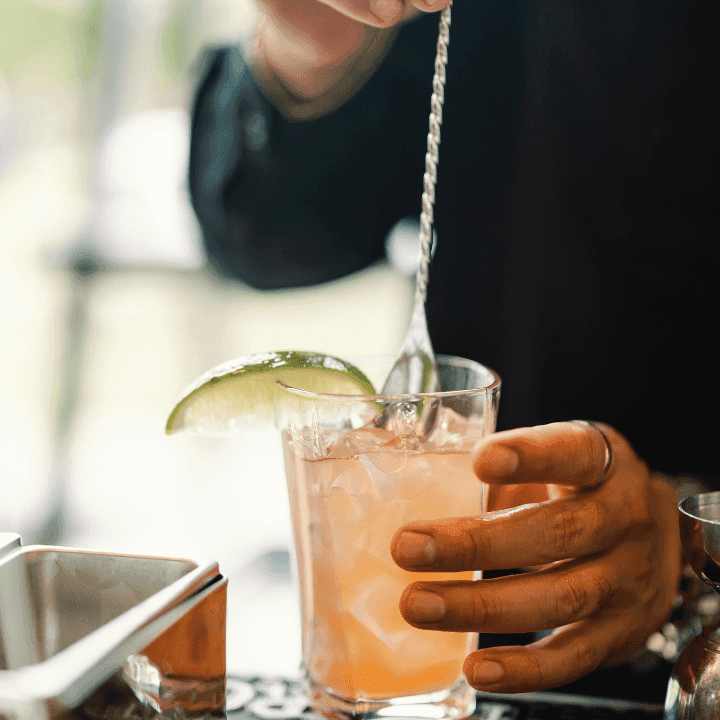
694	687
86	634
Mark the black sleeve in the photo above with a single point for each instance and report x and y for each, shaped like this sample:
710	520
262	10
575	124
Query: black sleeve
285	203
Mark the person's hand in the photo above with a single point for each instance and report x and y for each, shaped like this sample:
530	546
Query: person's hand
309	44
604	557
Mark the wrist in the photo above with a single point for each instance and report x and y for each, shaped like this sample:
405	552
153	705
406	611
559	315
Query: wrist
302	81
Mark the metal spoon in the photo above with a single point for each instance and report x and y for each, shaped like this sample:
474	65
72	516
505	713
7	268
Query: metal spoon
415	371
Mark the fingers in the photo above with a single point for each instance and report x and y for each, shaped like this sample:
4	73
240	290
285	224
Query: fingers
304	34
542	600
564	656
570	527
299	14
387	12
305	47
379	13
430	5
567	453
600	542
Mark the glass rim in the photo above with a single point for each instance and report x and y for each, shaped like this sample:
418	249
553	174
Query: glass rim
692	504
493	387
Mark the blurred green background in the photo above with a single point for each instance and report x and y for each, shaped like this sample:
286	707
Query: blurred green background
67	33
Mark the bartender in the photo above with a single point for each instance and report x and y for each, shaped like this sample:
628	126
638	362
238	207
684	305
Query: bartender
577	222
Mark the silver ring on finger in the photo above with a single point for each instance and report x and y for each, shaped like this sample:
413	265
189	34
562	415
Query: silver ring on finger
608	448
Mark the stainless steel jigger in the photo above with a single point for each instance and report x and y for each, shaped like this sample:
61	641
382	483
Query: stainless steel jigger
694	688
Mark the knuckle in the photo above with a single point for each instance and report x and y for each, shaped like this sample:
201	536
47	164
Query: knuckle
578	596
478	549
588	458
481	611
564	531
577	526
534	671
571	598
600	594
604	592
583	657
587	655
596	522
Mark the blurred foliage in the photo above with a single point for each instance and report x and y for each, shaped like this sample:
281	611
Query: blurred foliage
67	38
88	33
175	42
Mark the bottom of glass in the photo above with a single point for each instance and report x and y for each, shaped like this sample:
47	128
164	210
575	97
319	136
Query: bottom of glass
452	704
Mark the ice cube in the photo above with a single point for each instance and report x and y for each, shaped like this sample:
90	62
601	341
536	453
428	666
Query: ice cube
425	651
416	478
455	433
336	444
403	420
305	442
399	475
354	482
369	438
348	543
382	481
376	607
313	443
388	462
319	476
349	509
395	514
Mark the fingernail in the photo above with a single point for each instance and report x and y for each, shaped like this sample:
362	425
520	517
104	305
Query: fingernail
415	549
423	606
487	672
497	461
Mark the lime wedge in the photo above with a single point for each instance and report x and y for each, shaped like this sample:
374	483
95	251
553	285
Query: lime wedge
245	392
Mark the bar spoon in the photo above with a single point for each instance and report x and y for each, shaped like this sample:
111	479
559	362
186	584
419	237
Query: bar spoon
415	371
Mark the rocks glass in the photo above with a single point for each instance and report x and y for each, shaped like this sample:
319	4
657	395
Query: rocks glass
358	468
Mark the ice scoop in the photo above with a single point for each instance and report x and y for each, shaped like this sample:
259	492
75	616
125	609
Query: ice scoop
416	370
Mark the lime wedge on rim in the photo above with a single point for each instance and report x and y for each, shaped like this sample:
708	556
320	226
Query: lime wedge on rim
244	392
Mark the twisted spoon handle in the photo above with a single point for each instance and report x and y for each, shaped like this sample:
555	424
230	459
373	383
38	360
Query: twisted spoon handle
432	156
415	371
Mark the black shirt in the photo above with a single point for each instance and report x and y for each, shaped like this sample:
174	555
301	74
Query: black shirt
577	203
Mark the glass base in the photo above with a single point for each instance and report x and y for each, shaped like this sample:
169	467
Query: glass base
452	704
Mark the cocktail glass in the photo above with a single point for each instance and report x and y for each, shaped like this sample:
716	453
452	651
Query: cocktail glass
357	470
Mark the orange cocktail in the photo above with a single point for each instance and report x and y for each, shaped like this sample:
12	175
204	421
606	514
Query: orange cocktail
356	642
350	490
